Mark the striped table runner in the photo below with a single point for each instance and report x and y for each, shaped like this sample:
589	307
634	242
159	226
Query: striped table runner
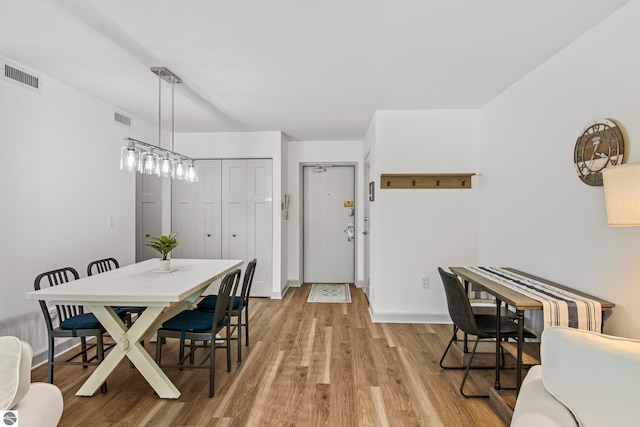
560	307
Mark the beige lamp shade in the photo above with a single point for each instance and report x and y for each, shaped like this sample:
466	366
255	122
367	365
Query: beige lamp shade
622	194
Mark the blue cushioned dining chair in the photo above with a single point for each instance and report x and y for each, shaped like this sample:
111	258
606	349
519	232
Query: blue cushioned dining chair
202	326
237	304
74	322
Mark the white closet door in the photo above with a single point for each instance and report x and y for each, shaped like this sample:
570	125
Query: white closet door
148	214
234	209
196	213
209	213
259	223
183	218
227	214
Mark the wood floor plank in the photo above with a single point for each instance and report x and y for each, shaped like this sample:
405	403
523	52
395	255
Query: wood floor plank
378	404
308	364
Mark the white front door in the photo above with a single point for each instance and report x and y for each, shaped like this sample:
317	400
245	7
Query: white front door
329	224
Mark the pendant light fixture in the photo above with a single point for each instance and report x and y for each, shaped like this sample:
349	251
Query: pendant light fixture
155	160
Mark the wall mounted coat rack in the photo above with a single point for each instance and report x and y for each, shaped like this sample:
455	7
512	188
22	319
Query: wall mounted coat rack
425	180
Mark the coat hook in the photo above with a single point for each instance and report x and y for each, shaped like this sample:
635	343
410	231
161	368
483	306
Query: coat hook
464	182
388	183
438	183
413	182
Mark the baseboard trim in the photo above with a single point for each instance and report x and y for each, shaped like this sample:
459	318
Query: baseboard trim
409	318
281	294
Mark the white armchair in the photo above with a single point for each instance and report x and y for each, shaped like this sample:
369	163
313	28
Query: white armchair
586	379
36	404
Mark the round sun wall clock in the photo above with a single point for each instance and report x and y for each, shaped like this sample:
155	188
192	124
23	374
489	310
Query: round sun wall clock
600	145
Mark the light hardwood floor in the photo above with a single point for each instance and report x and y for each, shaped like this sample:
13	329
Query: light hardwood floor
309	364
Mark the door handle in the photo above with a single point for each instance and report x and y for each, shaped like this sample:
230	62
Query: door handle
365	233
208	234
233	235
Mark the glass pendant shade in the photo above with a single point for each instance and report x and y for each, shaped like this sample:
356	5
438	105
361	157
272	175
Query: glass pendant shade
166	166
149	162
129	158
179	171
192	172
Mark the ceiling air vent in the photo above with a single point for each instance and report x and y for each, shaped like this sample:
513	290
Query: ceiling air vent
20	76
122	119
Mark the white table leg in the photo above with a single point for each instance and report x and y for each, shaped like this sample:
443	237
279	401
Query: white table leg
128	345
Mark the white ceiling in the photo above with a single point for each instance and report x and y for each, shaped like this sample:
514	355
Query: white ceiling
315	70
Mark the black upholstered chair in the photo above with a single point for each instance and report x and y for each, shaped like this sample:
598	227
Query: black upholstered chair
483	326
74	322
237	304
202	326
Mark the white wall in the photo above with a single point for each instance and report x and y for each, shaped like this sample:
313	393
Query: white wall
310	152
228	145
415	231
534	212
60	183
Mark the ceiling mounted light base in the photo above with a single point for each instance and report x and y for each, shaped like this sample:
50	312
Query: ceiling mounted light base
166	75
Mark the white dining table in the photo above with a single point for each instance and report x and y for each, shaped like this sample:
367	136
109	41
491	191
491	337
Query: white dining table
139	285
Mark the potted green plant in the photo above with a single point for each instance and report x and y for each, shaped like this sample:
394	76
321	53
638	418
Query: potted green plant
164	245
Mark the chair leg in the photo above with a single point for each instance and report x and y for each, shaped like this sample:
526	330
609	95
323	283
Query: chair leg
100	353
454	337
212	365
192	351
83	345
466	373
228	344
159	351
181	353
246	325
51	356
239	334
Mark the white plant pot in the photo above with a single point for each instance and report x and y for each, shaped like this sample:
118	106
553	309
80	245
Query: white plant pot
164	264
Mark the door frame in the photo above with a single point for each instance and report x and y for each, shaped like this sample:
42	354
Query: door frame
358	214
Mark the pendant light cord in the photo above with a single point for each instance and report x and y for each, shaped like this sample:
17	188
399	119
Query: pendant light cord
172	113
160	109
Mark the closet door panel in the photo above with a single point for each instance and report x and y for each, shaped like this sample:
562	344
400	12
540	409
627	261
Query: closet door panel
259	223
183	218
209	219
234	209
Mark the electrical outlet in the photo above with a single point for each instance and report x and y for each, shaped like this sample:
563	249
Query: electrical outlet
424	282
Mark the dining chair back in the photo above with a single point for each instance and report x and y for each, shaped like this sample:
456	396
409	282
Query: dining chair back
203	326
72	322
237	305
102	265
483	326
